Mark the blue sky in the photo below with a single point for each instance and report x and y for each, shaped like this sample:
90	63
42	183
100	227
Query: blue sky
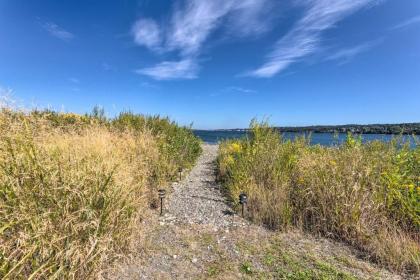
216	63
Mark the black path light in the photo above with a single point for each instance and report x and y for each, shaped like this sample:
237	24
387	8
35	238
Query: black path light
162	193
243	199
180	173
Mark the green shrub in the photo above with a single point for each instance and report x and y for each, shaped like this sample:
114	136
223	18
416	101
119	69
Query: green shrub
178	145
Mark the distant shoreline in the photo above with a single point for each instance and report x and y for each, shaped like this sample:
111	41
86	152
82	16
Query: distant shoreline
402	128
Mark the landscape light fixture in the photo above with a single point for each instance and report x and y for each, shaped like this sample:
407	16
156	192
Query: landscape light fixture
162	193
243	199
180	173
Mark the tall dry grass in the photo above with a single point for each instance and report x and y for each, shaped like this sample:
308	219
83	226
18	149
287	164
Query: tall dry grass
70	195
367	195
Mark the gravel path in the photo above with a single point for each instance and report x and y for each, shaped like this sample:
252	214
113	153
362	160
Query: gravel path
200	237
198	199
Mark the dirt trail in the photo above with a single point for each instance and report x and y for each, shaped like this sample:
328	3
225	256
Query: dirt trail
200	237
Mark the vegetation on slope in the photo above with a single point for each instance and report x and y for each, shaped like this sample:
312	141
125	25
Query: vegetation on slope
367	195
72	187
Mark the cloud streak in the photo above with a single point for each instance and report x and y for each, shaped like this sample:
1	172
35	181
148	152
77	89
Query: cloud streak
234	90
251	17
172	70
190	26
305	37
193	24
106	66
58	32
347	54
74	80
407	23
240	90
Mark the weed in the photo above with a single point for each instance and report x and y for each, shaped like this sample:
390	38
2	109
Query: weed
246	268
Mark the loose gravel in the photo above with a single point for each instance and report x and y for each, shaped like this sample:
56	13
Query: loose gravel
198	199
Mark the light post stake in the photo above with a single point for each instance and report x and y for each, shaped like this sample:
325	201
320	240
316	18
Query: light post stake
243	199
162	193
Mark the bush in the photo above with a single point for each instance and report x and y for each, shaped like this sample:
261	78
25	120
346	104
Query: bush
365	194
72	189
177	144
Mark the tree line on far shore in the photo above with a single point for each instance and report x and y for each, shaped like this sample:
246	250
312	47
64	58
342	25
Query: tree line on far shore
403	128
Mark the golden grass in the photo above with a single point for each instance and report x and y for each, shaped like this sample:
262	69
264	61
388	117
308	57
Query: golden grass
70	198
364	194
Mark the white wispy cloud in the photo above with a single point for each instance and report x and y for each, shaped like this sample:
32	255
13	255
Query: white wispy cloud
58	31
106	66
234	90
148	85
172	70
193	24
146	33
252	17
74	80
347	54
240	90
305	37
407	22
190	26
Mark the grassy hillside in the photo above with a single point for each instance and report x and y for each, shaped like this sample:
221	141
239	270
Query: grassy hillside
367	195
72	187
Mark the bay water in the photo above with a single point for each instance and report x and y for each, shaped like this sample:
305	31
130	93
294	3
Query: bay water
324	139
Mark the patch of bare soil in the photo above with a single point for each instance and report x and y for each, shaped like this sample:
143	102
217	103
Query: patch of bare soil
200	237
